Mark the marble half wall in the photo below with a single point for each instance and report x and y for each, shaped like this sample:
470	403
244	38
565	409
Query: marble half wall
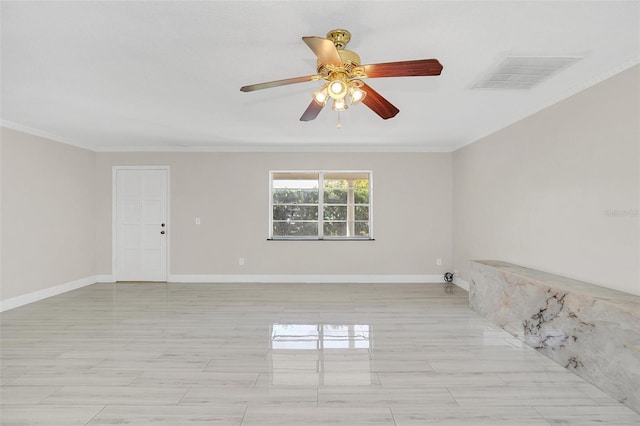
590	330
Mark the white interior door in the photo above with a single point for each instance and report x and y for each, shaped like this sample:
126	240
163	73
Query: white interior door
141	224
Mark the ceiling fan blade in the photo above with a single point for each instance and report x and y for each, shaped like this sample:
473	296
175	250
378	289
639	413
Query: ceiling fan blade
276	83
420	67
324	49
312	111
378	104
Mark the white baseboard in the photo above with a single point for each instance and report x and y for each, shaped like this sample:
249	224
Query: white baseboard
461	283
105	279
35	296
285	278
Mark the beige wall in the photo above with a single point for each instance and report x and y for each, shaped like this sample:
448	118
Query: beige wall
56	214
229	192
537	193
48	213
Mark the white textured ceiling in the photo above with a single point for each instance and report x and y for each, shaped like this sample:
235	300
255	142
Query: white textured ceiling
119	75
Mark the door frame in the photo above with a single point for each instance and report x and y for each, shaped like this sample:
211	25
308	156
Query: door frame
114	211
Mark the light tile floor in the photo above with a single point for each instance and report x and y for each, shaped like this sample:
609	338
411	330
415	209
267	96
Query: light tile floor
279	354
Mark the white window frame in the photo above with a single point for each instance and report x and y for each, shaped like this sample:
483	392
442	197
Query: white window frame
320	236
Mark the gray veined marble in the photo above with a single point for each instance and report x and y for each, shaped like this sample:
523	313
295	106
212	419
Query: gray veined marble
590	330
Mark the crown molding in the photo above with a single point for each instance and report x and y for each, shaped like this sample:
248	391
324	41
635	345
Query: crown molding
42	134
228	147
280	148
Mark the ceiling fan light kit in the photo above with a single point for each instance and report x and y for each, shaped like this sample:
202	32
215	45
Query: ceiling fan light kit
338	87
343	73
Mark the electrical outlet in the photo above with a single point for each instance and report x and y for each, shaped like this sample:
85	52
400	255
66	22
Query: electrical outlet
241	261
439	262
197	221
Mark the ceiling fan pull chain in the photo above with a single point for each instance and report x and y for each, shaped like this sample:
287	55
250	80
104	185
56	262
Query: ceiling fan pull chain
339	125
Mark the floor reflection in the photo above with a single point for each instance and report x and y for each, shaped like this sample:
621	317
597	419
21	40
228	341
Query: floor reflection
320	354
319	336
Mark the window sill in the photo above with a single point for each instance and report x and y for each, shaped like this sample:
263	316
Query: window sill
319	239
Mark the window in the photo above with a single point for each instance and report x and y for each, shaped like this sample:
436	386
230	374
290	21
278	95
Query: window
320	205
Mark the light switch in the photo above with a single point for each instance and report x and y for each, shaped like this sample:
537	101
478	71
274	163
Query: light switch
197	221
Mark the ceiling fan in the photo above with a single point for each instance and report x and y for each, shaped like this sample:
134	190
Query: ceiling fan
343	74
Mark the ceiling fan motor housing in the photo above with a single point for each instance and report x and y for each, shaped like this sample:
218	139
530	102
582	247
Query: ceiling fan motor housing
339	37
349	59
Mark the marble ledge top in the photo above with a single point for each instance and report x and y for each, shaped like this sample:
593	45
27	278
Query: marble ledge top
627	302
